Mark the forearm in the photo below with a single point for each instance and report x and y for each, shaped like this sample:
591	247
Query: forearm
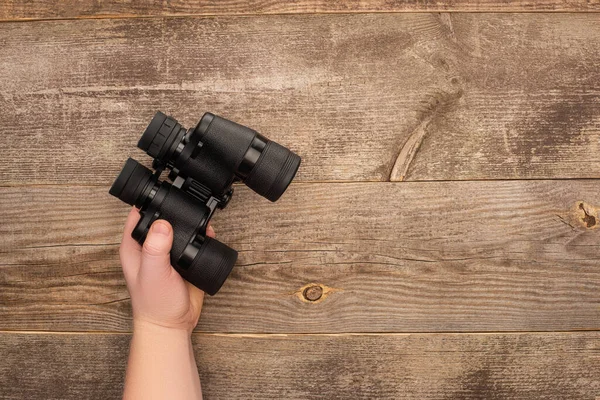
161	365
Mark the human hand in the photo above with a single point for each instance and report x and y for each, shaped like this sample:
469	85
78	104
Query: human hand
159	295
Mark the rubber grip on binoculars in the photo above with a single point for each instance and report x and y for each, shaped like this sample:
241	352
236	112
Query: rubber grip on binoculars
214	260
227	142
274	171
211	266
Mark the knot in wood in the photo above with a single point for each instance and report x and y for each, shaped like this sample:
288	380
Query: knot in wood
313	293
588	218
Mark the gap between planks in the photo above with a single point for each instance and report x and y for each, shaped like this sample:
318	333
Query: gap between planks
251	15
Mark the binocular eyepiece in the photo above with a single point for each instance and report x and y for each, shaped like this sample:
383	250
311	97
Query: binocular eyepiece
204	162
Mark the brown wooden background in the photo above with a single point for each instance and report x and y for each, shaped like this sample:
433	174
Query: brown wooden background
447	206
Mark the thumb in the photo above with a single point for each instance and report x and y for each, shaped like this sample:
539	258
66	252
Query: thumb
156	248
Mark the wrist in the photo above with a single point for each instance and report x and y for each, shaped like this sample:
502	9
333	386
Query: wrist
145	327
161	363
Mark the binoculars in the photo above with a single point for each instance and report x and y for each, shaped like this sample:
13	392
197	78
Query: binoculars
203	162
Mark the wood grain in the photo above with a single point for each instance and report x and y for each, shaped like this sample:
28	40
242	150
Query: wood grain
44	9
441	366
360	97
388	257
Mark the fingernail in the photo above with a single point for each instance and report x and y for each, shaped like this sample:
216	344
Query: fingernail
161	228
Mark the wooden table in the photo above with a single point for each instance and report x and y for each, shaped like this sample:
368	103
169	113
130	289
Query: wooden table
440	241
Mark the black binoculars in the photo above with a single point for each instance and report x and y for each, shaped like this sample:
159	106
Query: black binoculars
203	162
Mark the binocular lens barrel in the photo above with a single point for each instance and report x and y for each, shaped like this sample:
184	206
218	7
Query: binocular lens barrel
211	266
219	150
273	171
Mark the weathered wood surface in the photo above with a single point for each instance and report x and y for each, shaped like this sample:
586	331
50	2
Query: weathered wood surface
377	97
44	9
409	257
360	97
439	366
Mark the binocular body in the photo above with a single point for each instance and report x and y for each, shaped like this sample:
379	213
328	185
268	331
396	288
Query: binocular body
204	162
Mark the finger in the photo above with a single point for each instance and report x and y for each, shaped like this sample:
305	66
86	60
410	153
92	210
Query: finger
156	261
130	251
210	231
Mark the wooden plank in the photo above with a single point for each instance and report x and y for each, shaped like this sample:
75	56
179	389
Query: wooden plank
43	9
441	366
408	257
360	97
